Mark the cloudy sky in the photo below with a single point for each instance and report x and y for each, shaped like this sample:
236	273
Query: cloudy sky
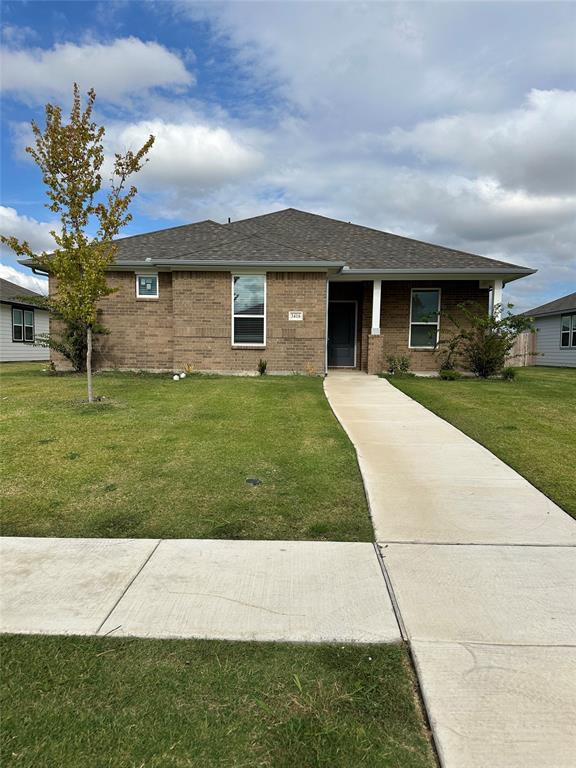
451	122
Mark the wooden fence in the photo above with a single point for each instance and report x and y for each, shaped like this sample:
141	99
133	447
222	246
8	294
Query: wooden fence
524	350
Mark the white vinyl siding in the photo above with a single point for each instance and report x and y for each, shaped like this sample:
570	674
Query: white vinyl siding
14	351
548	343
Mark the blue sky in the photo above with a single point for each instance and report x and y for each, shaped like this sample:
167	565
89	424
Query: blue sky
449	122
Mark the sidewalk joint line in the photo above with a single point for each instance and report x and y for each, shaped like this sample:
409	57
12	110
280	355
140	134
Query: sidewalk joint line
471	544
391	593
127	587
493	644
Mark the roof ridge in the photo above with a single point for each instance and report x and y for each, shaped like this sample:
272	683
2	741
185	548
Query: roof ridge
403	237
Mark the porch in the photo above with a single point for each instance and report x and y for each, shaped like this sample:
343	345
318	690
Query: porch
370	319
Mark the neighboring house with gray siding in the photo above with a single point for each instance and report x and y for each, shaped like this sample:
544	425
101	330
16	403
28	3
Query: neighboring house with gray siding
21	322
556	332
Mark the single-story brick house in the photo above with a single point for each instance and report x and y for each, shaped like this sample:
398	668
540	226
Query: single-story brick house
302	291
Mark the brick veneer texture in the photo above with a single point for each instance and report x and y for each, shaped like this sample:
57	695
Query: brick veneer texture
191	321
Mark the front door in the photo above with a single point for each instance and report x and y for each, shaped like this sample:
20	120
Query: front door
341	334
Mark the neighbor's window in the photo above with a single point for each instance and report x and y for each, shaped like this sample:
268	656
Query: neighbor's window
424	318
249	310
22	324
147	286
568	331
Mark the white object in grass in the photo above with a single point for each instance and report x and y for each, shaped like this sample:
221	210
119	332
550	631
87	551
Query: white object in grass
176	377
182	375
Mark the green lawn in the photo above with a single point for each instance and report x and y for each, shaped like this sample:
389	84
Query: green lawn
529	423
165	459
109	703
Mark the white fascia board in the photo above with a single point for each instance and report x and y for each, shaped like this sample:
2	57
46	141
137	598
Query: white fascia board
244	266
431	274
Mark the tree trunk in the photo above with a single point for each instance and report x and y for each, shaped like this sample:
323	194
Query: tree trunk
89	363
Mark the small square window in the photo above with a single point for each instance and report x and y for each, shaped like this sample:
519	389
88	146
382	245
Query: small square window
147	286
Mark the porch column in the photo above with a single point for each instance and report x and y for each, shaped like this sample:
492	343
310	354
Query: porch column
496	297
376	296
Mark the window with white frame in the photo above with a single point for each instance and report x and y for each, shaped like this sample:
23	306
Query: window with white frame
568	331
22	324
249	310
424	318
146	286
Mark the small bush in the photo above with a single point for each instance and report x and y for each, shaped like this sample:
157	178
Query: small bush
483	341
262	365
310	369
509	373
398	365
450	374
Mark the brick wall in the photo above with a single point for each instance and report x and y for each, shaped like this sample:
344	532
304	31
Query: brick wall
191	321
395	320
203	323
141	330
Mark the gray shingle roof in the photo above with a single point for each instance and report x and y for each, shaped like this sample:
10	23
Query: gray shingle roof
296	237
359	247
12	293
556	307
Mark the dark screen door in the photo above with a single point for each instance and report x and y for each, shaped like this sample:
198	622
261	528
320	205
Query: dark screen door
341	334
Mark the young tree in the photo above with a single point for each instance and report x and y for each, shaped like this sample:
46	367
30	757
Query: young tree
483	341
70	156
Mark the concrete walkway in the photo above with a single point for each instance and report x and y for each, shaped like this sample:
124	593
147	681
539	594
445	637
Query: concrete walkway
297	591
482	568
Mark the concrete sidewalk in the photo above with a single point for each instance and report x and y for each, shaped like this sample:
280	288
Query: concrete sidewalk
482	567
297	591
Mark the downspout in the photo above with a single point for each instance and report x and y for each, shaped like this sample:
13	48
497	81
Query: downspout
326	329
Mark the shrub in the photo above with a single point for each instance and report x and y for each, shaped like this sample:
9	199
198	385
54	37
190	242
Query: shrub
310	369
450	374
483	341
448	354
262	365
398	365
509	373
71	342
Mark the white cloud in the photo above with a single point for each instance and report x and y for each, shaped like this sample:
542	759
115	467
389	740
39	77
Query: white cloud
191	157
36	233
531	148
14	35
32	282
117	70
448	122
371	66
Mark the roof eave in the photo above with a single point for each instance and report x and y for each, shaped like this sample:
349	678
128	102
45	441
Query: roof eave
445	273
552	313
197	264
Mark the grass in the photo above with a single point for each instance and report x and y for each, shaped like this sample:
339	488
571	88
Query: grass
529	423
168	459
110	703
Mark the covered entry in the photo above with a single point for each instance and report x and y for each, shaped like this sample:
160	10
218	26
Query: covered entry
342	333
